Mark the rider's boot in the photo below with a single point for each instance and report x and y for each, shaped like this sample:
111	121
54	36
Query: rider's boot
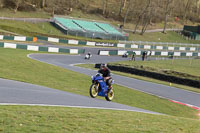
109	88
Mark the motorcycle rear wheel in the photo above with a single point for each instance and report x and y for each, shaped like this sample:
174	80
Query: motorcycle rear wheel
110	95
93	90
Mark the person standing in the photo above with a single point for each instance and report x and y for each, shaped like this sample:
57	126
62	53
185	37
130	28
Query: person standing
133	56
143	55
146	55
150	52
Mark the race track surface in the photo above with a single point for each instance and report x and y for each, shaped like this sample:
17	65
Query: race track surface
14	92
67	61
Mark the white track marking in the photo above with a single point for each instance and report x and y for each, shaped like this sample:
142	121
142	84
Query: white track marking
121	84
87	107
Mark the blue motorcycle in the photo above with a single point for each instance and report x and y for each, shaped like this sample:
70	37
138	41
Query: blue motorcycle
99	88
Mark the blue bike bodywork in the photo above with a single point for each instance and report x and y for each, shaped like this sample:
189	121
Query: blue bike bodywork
102	85
100	88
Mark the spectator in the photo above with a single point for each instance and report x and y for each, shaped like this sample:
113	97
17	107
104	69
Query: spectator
143	56
121	26
133	56
171	56
150	52
146	55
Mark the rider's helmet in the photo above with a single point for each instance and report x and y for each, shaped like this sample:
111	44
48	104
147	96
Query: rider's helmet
103	65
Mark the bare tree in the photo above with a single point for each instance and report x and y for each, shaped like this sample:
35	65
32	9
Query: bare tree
198	12
138	12
187	7
141	15
43	3
198	8
147	17
127	12
76	1
122	6
1	3
105	4
87	5
17	2
167	10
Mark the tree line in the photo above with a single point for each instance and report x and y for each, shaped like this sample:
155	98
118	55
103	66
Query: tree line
138	12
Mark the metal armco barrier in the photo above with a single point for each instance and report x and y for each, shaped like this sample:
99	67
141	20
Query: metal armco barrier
153	53
42	48
136	45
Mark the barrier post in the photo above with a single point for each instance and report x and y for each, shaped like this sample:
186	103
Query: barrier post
34	39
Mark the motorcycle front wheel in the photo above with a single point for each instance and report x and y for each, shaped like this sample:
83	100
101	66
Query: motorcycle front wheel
93	90
110	95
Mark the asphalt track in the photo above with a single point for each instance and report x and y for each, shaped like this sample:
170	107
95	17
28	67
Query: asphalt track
13	92
172	93
20	93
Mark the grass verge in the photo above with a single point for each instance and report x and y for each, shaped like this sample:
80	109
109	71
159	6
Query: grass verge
91	66
184	68
46	29
171	36
40	29
16	66
155	37
29	29
20	119
20	14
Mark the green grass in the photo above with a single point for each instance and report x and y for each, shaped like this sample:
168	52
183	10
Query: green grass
29	29
91	66
16	66
41	29
186	68
46	29
20	119
79	14
160	37
4	32
20	14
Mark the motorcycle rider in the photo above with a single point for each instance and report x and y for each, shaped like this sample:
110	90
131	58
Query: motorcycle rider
88	56
105	71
